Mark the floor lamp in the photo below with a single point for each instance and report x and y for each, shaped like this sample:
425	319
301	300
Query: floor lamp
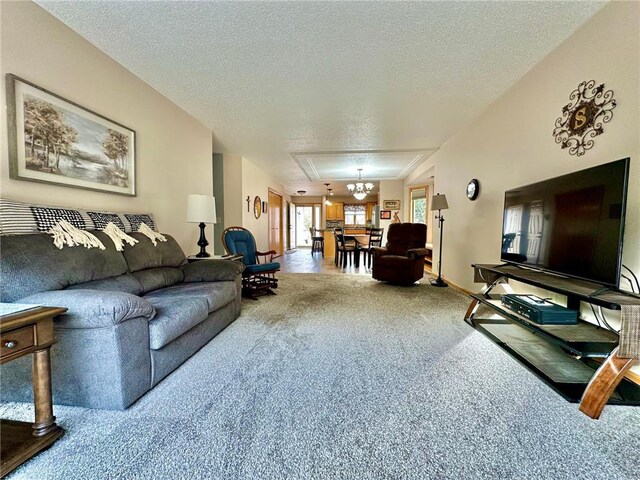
439	203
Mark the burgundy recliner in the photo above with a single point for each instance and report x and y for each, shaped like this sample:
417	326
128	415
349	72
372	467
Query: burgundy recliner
401	262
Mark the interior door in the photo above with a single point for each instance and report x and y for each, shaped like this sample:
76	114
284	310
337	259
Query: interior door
275	222
289	227
292	226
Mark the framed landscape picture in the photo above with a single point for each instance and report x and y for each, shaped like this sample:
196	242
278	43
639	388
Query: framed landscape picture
53	140
385	214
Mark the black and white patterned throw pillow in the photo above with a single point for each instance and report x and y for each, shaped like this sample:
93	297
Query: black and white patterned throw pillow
46	217
136	219
100	220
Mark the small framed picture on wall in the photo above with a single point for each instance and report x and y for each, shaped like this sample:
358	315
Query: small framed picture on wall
265	207
385	214
391	204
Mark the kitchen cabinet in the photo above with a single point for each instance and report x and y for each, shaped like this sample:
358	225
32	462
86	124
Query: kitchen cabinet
335	211
369	211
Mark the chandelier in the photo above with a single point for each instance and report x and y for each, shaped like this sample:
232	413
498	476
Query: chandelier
360	190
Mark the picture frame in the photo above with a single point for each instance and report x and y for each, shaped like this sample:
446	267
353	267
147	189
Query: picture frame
56	141
265	207
385	214
391	204
257	207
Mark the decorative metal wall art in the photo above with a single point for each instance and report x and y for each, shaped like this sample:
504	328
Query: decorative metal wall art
582	118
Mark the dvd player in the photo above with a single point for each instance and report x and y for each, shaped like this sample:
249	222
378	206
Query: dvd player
539	310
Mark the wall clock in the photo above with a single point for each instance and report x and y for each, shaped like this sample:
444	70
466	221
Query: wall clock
473	189
582	118
257	207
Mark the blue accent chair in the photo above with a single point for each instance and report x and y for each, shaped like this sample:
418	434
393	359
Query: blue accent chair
259	277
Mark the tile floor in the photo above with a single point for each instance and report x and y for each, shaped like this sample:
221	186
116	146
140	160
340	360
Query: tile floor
301	261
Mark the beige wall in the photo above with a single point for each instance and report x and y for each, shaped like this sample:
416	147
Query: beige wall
303	199
511	143
234	203
258	182
173	149
392	190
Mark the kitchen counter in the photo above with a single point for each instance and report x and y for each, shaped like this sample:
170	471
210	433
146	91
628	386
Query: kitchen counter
329	241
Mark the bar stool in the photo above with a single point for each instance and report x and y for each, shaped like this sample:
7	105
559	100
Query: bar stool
317	241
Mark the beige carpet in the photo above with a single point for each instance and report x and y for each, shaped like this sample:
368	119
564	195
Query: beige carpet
339	376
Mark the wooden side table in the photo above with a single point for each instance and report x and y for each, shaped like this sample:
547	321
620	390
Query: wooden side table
23	333
193	258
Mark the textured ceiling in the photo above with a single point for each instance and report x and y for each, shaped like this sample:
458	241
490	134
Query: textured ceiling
275	78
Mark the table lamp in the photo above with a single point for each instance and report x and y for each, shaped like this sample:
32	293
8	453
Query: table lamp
439	203
201	209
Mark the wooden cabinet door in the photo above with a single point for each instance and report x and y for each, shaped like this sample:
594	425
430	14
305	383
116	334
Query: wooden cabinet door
335	211
331	212
369	211
275	222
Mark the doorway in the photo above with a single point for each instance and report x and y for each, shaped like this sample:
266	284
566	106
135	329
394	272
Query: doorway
304	221
275	222
289	227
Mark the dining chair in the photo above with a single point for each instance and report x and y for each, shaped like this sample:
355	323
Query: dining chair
344	250
375	240
336	231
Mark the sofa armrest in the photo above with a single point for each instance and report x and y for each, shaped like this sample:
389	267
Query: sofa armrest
93	308
212	271
415	253
378	251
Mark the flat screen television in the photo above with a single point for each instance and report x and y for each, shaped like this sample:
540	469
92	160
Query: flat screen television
571	225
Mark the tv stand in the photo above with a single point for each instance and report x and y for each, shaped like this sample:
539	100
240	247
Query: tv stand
579	361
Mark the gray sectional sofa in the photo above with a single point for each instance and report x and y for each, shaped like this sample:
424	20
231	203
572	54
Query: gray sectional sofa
133	318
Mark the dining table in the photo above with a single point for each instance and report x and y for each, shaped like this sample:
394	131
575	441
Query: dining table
362	244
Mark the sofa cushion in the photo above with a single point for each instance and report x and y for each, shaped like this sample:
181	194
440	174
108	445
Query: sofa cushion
216	294
145	255
155	278
32	263
174	316
92	308
212	271
124	283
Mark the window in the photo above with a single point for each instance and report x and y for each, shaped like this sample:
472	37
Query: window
418	196
355	214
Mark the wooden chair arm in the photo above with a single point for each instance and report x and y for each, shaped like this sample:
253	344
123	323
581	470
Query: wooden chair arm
270	253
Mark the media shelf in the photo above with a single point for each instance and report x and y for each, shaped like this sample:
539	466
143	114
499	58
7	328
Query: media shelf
565	357
583	339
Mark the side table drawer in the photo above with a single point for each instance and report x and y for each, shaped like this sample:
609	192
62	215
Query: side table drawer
17	340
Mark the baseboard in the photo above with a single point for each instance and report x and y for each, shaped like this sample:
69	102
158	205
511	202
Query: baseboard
450	283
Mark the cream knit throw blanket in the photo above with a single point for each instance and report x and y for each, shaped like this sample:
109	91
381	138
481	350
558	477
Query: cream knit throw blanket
64	233
118	236
155	237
